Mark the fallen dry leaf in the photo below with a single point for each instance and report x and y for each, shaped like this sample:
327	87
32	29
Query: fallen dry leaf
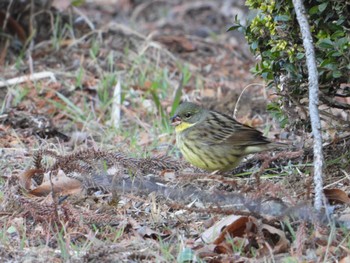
337	195
61	185
176	43
234	225
235	229
26	177
283	243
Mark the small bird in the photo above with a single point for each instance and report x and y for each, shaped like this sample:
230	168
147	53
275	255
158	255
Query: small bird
214	141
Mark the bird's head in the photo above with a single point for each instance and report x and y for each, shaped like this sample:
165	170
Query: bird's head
187	114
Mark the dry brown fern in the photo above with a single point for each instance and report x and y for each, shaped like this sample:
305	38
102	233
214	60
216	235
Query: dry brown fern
99	169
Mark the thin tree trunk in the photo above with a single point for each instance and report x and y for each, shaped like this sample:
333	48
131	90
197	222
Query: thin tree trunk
313	100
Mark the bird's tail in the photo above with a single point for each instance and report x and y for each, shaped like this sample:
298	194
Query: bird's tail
265	147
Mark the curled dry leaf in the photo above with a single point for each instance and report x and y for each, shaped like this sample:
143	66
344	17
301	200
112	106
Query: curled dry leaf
26	177
223	248
337	195
234	229
243	230
282	244
61	184
11	25
234	225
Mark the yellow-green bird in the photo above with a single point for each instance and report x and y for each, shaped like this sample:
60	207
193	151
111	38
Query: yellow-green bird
214	141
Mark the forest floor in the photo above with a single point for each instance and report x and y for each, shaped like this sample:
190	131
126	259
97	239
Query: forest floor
89	167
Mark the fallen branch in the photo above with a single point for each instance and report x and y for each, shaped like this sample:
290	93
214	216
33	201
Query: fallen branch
31	77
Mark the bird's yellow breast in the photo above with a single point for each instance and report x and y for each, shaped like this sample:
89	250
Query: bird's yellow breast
211	158
189	152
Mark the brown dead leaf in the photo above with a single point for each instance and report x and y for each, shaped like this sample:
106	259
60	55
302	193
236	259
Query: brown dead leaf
337	195
226	247
61	185
12	26
243	230
223	248
283	243
234	229
233	225
177	44
26	177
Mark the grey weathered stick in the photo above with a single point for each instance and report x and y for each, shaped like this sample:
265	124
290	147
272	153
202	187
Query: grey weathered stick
313	100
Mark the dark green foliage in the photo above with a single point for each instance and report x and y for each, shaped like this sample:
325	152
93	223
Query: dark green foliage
274	35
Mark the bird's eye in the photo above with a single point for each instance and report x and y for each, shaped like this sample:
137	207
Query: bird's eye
188	114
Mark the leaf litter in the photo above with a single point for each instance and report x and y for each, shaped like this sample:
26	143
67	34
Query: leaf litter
119	207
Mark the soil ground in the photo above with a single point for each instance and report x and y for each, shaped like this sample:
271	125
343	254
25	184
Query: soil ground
89	167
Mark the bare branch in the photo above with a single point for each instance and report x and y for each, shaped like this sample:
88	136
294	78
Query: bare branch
313	100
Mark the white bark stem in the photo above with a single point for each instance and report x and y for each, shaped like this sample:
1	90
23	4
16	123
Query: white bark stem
313	100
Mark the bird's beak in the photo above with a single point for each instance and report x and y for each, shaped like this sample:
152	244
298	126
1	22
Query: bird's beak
175	120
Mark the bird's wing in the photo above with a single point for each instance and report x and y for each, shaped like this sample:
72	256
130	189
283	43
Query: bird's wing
228	131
